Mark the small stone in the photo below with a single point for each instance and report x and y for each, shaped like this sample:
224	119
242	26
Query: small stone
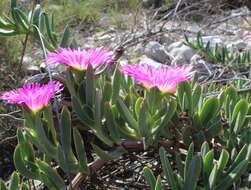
239	45
157	52
166	39
146	60
105	38
181	52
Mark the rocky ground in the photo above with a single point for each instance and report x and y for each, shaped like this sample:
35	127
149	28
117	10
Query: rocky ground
162	41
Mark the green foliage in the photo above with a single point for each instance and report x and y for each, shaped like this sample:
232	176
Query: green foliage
149	116
107	106
205	114
202	170
219	54
39	132
112	109
15	183
36	22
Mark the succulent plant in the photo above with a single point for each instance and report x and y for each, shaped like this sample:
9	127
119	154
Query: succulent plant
218	54
14	183
202	170
114	108
36	23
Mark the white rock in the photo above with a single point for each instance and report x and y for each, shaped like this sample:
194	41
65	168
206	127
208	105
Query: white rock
238	45
157	52
104	38
166	40
181	52
213	40
146	60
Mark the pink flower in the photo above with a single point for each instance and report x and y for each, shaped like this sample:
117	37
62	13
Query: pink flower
164	78
35	96
80	59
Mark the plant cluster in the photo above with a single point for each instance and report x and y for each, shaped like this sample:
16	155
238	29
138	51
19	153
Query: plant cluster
218	53
134	104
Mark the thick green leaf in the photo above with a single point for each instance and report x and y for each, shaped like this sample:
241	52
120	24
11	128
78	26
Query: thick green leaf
80	150
65	37
108	156
223	160
150	178
184	93
126	114
239	115
188	159
107	91
71	166
24	186
213	177
48	115
36	15
44	44
230	100
209	110
167	169
22	166
222	98
248	157
42	25
197	122
90	86
26	151
167	117
208	162
52	175
116	85
4	24
74	44
82	115
66	140
2	185
158	185
51	149
70	83
97	110
240	157
204	149
193	173
214	129
233	176
111	123
20	20
143	123
103	137
196	96
49	29
137	106
37	143
7	33
23	16
14	182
